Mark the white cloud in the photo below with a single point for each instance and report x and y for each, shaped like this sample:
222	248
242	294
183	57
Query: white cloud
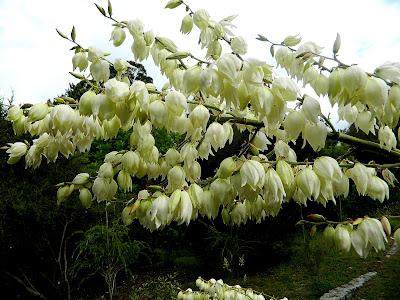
35	61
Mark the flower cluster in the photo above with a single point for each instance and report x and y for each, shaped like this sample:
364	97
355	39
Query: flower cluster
217	289
362	235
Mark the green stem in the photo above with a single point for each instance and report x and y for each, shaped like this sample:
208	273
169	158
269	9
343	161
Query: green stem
348	139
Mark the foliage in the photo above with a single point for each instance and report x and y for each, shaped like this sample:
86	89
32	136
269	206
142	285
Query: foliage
157	288
107	251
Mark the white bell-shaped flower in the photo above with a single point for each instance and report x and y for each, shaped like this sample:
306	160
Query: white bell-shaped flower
308	182
342	238
252	173
377	189
387	138
16	151
311	109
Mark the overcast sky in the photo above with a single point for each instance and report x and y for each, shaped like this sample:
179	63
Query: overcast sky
35	61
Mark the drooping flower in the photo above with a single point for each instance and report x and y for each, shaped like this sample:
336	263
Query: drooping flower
100	71
308	182
239	45
16	151
386	137
81	179
187	24
118	36
342	238
80	61
252	173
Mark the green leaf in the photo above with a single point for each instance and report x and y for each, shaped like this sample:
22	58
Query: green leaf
62	34
173	4
109	8
73	33
272	50
101	10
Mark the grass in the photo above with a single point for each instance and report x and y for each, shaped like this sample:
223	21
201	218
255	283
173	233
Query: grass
313	269
386	284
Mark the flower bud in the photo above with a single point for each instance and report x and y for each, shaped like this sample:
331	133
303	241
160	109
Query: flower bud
336	44
187	24
118	36
239	45
64	192
226	168
86	197
81	179
80	61
386	226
